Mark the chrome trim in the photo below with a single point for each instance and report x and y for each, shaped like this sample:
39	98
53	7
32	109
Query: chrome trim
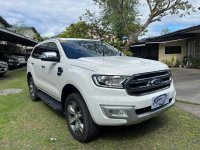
139	84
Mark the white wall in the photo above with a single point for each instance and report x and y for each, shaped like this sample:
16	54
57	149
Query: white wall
182	43
2	25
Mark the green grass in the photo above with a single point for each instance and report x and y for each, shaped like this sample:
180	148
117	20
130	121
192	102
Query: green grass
30	125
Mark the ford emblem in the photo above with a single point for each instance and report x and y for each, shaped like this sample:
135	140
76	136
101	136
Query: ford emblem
155	82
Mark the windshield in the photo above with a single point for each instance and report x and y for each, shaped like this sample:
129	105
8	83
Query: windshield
75	49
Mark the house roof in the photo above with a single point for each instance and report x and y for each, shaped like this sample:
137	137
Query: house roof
9	36
177	35
3	21
23	28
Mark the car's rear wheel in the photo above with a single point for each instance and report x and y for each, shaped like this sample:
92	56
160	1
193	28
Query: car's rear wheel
33	90
79	120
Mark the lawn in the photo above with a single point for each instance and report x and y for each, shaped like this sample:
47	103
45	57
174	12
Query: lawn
25	124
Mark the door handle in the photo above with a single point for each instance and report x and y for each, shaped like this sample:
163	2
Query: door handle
43	66
32	63
60	71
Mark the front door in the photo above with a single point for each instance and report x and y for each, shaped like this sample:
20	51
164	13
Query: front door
49	72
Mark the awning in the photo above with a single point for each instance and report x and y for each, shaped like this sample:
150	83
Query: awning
9	36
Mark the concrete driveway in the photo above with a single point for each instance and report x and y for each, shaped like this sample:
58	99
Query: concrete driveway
187	84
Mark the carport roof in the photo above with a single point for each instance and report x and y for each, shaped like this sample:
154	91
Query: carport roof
186	33
9	36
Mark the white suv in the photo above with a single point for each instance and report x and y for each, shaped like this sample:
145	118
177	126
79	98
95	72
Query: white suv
94	84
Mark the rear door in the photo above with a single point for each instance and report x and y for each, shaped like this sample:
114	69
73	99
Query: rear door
34	64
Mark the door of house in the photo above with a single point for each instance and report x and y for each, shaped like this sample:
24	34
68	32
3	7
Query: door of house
191	48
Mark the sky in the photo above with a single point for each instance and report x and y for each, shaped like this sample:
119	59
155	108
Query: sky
51	17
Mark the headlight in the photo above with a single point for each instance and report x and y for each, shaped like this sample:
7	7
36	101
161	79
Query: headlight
109	81
10	60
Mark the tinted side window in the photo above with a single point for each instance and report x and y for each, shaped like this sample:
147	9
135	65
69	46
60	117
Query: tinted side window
52	47
35	52
42	48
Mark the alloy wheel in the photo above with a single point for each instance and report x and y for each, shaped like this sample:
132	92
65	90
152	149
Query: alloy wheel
75	118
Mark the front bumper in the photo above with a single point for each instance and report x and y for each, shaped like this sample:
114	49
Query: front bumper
116	99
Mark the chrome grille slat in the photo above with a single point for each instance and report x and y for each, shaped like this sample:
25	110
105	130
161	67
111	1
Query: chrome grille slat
140	84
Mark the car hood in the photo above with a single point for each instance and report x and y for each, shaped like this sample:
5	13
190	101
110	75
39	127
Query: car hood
118	65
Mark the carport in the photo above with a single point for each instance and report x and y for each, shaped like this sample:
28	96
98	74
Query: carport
8	36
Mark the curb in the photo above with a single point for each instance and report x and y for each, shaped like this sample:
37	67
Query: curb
186	102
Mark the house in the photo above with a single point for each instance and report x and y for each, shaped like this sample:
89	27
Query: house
29	32
12	42
4	23
185	42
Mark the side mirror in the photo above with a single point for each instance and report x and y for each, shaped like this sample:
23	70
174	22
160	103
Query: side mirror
49	56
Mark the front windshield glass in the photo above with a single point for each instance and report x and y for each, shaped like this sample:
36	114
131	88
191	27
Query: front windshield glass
75	49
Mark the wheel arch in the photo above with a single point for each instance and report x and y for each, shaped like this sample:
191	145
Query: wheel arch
28	76
66	91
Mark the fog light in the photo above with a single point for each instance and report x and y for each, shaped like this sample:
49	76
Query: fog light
116	111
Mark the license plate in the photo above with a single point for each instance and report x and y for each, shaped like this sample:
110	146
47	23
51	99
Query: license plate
160	101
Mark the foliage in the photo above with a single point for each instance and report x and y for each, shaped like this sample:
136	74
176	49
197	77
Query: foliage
95	23
78	30
119	16
178	63
38	37
118	44
187	60
171	62
165	31
122	17
166	61
195	62
83	30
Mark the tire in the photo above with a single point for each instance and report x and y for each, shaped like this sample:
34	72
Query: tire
79	120
32	90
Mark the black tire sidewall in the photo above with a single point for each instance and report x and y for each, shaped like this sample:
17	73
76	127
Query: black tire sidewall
35	97
87	119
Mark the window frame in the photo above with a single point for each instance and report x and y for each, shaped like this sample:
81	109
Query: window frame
173	49
47	46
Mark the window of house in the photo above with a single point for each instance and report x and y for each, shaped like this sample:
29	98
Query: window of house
173	50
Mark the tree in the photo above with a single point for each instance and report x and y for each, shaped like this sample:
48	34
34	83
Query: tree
118	17
79	30
38	37
165	31
19	26
123	18
94	22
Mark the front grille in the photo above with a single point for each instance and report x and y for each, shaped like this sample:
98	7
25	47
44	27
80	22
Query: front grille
141	84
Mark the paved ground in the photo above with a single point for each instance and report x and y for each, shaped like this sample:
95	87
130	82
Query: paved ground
192	109
187	83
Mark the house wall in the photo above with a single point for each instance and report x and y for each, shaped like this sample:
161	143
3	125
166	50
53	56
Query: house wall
29	33
197	47
2	25
163	56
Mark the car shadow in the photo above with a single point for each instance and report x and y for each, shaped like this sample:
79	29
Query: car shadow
117	133
133	131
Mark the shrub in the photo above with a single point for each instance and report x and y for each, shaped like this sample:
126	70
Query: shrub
178	63
195	62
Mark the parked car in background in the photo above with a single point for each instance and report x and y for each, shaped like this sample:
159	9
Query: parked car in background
21	60
3	68
14	61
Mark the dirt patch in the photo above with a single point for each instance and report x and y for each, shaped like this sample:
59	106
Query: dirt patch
10	91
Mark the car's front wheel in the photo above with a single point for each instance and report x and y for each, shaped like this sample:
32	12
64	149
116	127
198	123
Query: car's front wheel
79	120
